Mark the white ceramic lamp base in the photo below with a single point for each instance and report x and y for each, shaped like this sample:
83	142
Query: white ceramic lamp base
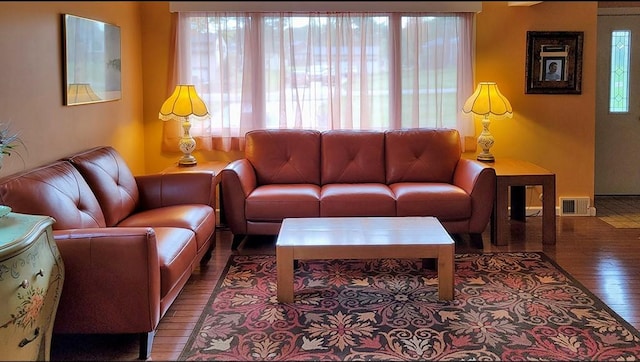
187	145
485	141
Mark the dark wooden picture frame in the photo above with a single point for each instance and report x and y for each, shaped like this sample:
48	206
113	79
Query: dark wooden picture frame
564	50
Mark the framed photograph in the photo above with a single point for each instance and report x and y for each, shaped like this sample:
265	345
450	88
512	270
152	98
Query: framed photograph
91	61
554	62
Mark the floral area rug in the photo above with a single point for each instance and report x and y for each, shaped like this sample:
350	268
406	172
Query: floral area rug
507	306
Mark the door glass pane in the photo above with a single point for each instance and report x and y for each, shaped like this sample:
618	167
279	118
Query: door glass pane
620	59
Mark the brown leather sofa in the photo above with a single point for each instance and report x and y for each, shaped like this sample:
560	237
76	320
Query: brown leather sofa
308	173
128	243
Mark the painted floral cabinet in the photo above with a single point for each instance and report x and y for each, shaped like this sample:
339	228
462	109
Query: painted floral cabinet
31	279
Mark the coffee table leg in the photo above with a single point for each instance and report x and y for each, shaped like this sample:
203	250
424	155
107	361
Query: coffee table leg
284	271
445	272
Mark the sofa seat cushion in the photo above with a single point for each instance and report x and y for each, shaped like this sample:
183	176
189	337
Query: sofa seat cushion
195	217
276	202
176	254
444	201
362	199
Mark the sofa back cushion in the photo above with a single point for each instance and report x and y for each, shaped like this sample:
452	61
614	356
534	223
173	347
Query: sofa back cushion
284	156
57	190
350	156
111	180
422	154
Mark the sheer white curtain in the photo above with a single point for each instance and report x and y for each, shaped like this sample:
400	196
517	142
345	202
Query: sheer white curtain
324	71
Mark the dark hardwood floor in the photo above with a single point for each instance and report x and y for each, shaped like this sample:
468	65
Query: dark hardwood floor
606	260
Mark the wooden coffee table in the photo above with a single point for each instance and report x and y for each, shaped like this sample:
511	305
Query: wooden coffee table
363	238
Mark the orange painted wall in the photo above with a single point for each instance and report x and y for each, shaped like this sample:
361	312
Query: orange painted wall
556	132
155	49
156	33
31	97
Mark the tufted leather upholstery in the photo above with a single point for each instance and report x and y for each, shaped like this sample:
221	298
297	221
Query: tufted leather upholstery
111	181
117	192
57	190
421	155
352	157
129	244
405	172
285	156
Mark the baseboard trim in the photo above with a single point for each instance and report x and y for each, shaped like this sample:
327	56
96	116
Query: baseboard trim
536	211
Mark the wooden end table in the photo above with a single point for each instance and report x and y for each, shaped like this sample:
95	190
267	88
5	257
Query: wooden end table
515	175
363	238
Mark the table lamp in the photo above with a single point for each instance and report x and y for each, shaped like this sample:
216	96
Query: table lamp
487	101
182	104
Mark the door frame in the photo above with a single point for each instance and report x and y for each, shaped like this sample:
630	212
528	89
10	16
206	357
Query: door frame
606	11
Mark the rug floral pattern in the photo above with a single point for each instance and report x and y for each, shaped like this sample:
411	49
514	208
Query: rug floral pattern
507	306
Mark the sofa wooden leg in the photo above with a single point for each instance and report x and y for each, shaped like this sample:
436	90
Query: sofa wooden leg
146	342
476	240
207	255
237	240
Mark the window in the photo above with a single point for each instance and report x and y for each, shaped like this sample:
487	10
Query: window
326	70
620	62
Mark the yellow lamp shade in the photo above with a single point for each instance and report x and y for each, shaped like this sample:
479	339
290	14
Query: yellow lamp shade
487	100
184	102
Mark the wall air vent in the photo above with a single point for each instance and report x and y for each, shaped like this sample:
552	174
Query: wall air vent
574	206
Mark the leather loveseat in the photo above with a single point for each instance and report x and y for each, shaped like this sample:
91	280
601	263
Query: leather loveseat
128	244
308	173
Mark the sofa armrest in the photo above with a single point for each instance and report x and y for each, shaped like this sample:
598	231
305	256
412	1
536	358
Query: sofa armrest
479	181
159	190
238	181
112	280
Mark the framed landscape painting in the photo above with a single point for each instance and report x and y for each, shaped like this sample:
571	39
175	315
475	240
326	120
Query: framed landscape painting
92	61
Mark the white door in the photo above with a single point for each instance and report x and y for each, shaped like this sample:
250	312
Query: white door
617	139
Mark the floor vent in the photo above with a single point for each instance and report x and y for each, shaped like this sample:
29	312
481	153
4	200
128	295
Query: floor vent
574	206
